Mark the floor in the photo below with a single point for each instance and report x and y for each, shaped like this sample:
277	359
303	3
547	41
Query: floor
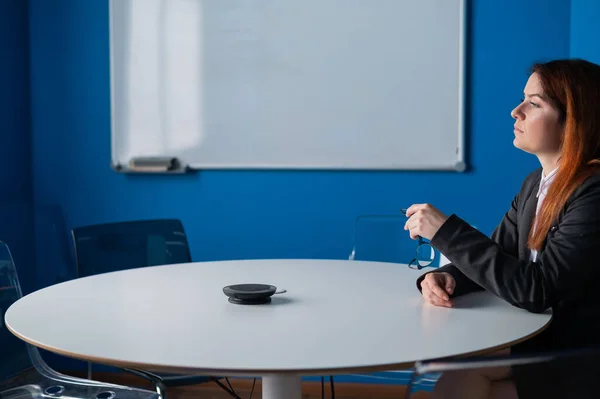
243	387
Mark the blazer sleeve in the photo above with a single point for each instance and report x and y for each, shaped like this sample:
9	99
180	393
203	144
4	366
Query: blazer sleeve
566	263
505	235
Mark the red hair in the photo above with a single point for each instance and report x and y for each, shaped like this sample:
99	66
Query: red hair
573	88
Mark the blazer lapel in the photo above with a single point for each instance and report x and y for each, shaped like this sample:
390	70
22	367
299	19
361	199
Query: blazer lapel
526	220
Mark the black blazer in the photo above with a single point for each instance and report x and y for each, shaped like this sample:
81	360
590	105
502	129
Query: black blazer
565	276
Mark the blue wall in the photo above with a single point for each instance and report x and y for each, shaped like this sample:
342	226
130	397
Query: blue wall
250	214
585	29
16	217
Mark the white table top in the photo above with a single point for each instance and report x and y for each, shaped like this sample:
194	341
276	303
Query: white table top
336	317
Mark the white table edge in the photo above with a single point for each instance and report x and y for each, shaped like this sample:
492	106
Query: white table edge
257	372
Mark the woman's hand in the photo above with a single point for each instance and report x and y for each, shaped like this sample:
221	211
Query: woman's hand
423	220
437	287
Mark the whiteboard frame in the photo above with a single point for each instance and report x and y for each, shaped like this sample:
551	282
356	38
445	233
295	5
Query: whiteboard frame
459	166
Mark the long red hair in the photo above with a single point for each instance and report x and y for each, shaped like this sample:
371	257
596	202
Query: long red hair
573	87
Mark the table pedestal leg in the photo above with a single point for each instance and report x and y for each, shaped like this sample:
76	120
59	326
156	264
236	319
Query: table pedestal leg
280	386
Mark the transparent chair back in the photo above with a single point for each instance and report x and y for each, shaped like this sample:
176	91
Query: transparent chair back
118	246
23	373
561	374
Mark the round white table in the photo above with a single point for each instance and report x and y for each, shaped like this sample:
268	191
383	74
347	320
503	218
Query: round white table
336	317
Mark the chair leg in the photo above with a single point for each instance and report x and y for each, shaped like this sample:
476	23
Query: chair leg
226	389
154	379
89	371
160	389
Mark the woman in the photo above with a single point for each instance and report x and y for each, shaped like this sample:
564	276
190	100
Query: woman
546	251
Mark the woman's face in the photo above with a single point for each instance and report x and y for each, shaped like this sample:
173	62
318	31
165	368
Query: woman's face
538	129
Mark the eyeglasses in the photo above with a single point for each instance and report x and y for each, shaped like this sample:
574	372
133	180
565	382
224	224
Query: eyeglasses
425	254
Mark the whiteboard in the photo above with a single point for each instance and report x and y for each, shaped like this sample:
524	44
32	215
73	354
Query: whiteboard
303	84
